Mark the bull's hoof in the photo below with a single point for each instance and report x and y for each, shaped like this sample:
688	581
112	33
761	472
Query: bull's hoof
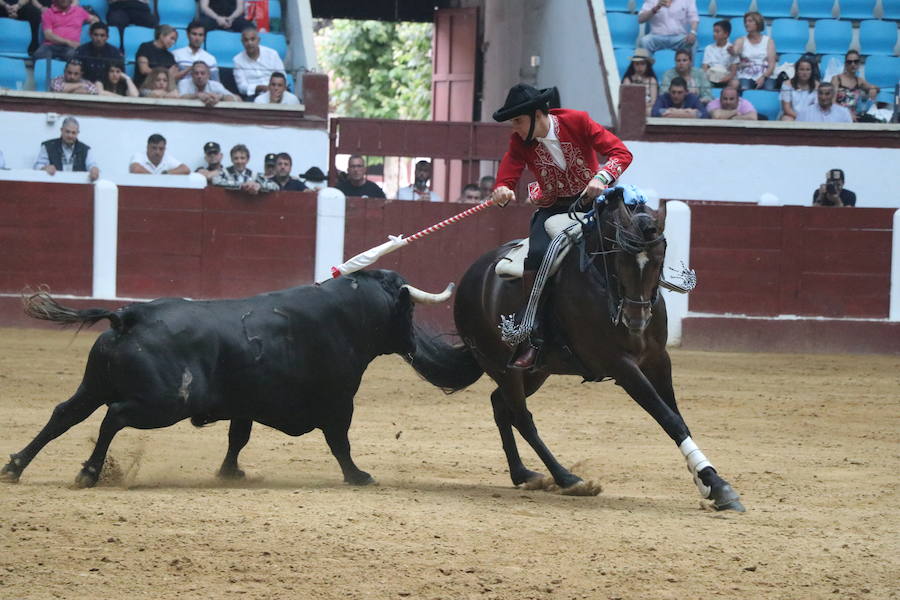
725	498
87	478
232	473
361	478
525	477
10	472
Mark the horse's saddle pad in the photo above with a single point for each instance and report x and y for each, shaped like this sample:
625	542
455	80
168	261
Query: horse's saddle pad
512	264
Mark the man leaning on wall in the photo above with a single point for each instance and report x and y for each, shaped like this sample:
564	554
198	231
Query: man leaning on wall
66	153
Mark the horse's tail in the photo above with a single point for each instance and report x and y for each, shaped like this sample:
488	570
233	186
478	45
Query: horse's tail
450	367
41	305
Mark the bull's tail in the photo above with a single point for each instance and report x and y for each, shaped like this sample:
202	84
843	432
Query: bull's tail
447	366
41	305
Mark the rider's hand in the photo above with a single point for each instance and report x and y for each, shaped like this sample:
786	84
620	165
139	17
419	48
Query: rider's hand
502	195
593	189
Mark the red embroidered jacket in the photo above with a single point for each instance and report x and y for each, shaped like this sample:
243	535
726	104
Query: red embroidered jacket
580	138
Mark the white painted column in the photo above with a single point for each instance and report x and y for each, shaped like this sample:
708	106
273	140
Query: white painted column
106	238
894	313
678	251
331	214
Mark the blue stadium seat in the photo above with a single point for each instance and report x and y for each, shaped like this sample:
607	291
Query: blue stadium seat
99	7
611	6
877	37
856	9
224	45
765	102
787	57
775	9
790	35
277	22
832	36
883	71
623	29
891	9
176	13
826	59
41	80
737	28
886	96
731	8
665	60
623	59
135	36
275	41
12	73
705	32
15	36
815	9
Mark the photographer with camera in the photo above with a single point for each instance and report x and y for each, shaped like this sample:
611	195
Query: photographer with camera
832	192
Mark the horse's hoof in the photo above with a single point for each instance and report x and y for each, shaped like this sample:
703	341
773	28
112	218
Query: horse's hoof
231	474
725	498
525	477
9	475
582	488
734	505
86	478
361	478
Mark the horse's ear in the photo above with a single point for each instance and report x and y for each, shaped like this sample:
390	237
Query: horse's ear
661	217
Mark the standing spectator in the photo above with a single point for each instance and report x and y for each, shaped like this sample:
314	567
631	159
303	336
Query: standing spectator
269	162
187	56
696	80
470	194
825	110
356	183
24	10
116	82
254	66
201	87
223	14
799	92
66	153
677	103
282	178
156	54
640	72
123	13
98	54
61	24
849	85
673	24
419	189
314	178
277	92
718	63
730	105
756	55
155	161
158	84
239	177
71	81
212	153
832	192
486	186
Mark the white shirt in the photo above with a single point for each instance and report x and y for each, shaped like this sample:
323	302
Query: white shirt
410	193
718	55
249	73
186	86
287	98
185	57
814	114
551	143
167	163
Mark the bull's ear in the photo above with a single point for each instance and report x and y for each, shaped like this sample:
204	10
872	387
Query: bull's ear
661	218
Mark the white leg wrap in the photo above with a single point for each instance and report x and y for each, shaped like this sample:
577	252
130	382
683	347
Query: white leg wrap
696	462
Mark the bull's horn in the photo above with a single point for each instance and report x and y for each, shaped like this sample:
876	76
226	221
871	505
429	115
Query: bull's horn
428	298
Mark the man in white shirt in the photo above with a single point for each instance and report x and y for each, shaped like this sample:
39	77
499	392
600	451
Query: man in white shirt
200	87
254	66
187	56
155	161
825	110
419	189
277	92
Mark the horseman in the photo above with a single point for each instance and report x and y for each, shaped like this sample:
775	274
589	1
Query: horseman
560	147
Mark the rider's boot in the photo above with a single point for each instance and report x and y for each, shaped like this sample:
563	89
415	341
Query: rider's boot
527	351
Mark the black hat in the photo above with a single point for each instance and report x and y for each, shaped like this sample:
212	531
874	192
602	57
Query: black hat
211	147
270	159
523	99
313	174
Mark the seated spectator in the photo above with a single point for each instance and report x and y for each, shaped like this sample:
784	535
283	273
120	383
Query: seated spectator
640	72
718	63
730	105
123	13
697	83
678	103
223	14
66	153
486	187
239	177
356	184
756	55
24	10
471	194
254	66
61	24
824	110
832	192
213	155
116	82
158	84
282	178
187	56
156	54
71	81
201	87
269	162
800	91
98	54
849	85
314	178
419	189
673	24
155	161
277	92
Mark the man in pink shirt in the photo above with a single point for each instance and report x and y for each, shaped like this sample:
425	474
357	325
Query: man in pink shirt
61	24
673	24
730	105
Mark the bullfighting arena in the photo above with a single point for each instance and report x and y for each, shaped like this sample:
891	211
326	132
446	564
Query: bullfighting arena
811	443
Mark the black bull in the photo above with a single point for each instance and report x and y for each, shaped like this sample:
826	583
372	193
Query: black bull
291	360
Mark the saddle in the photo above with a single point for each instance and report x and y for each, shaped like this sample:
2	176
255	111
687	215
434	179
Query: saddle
512	264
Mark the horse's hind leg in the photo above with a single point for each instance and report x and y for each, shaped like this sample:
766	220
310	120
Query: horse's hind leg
503	418
238	436
65	416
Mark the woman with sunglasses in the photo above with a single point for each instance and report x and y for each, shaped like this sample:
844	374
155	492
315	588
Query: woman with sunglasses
849	85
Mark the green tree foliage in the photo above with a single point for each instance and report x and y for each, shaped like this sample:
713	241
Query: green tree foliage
378	70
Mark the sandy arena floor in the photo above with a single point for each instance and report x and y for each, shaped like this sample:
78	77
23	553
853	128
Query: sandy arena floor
811	442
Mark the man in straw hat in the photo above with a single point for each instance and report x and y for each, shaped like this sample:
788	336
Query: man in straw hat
560	147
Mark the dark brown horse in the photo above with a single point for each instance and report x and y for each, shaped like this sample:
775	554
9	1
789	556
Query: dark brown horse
605	319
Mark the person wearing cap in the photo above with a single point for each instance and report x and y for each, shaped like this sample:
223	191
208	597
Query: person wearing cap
212	153
560	147
282	177
269	165
640	72
673	24
314	178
